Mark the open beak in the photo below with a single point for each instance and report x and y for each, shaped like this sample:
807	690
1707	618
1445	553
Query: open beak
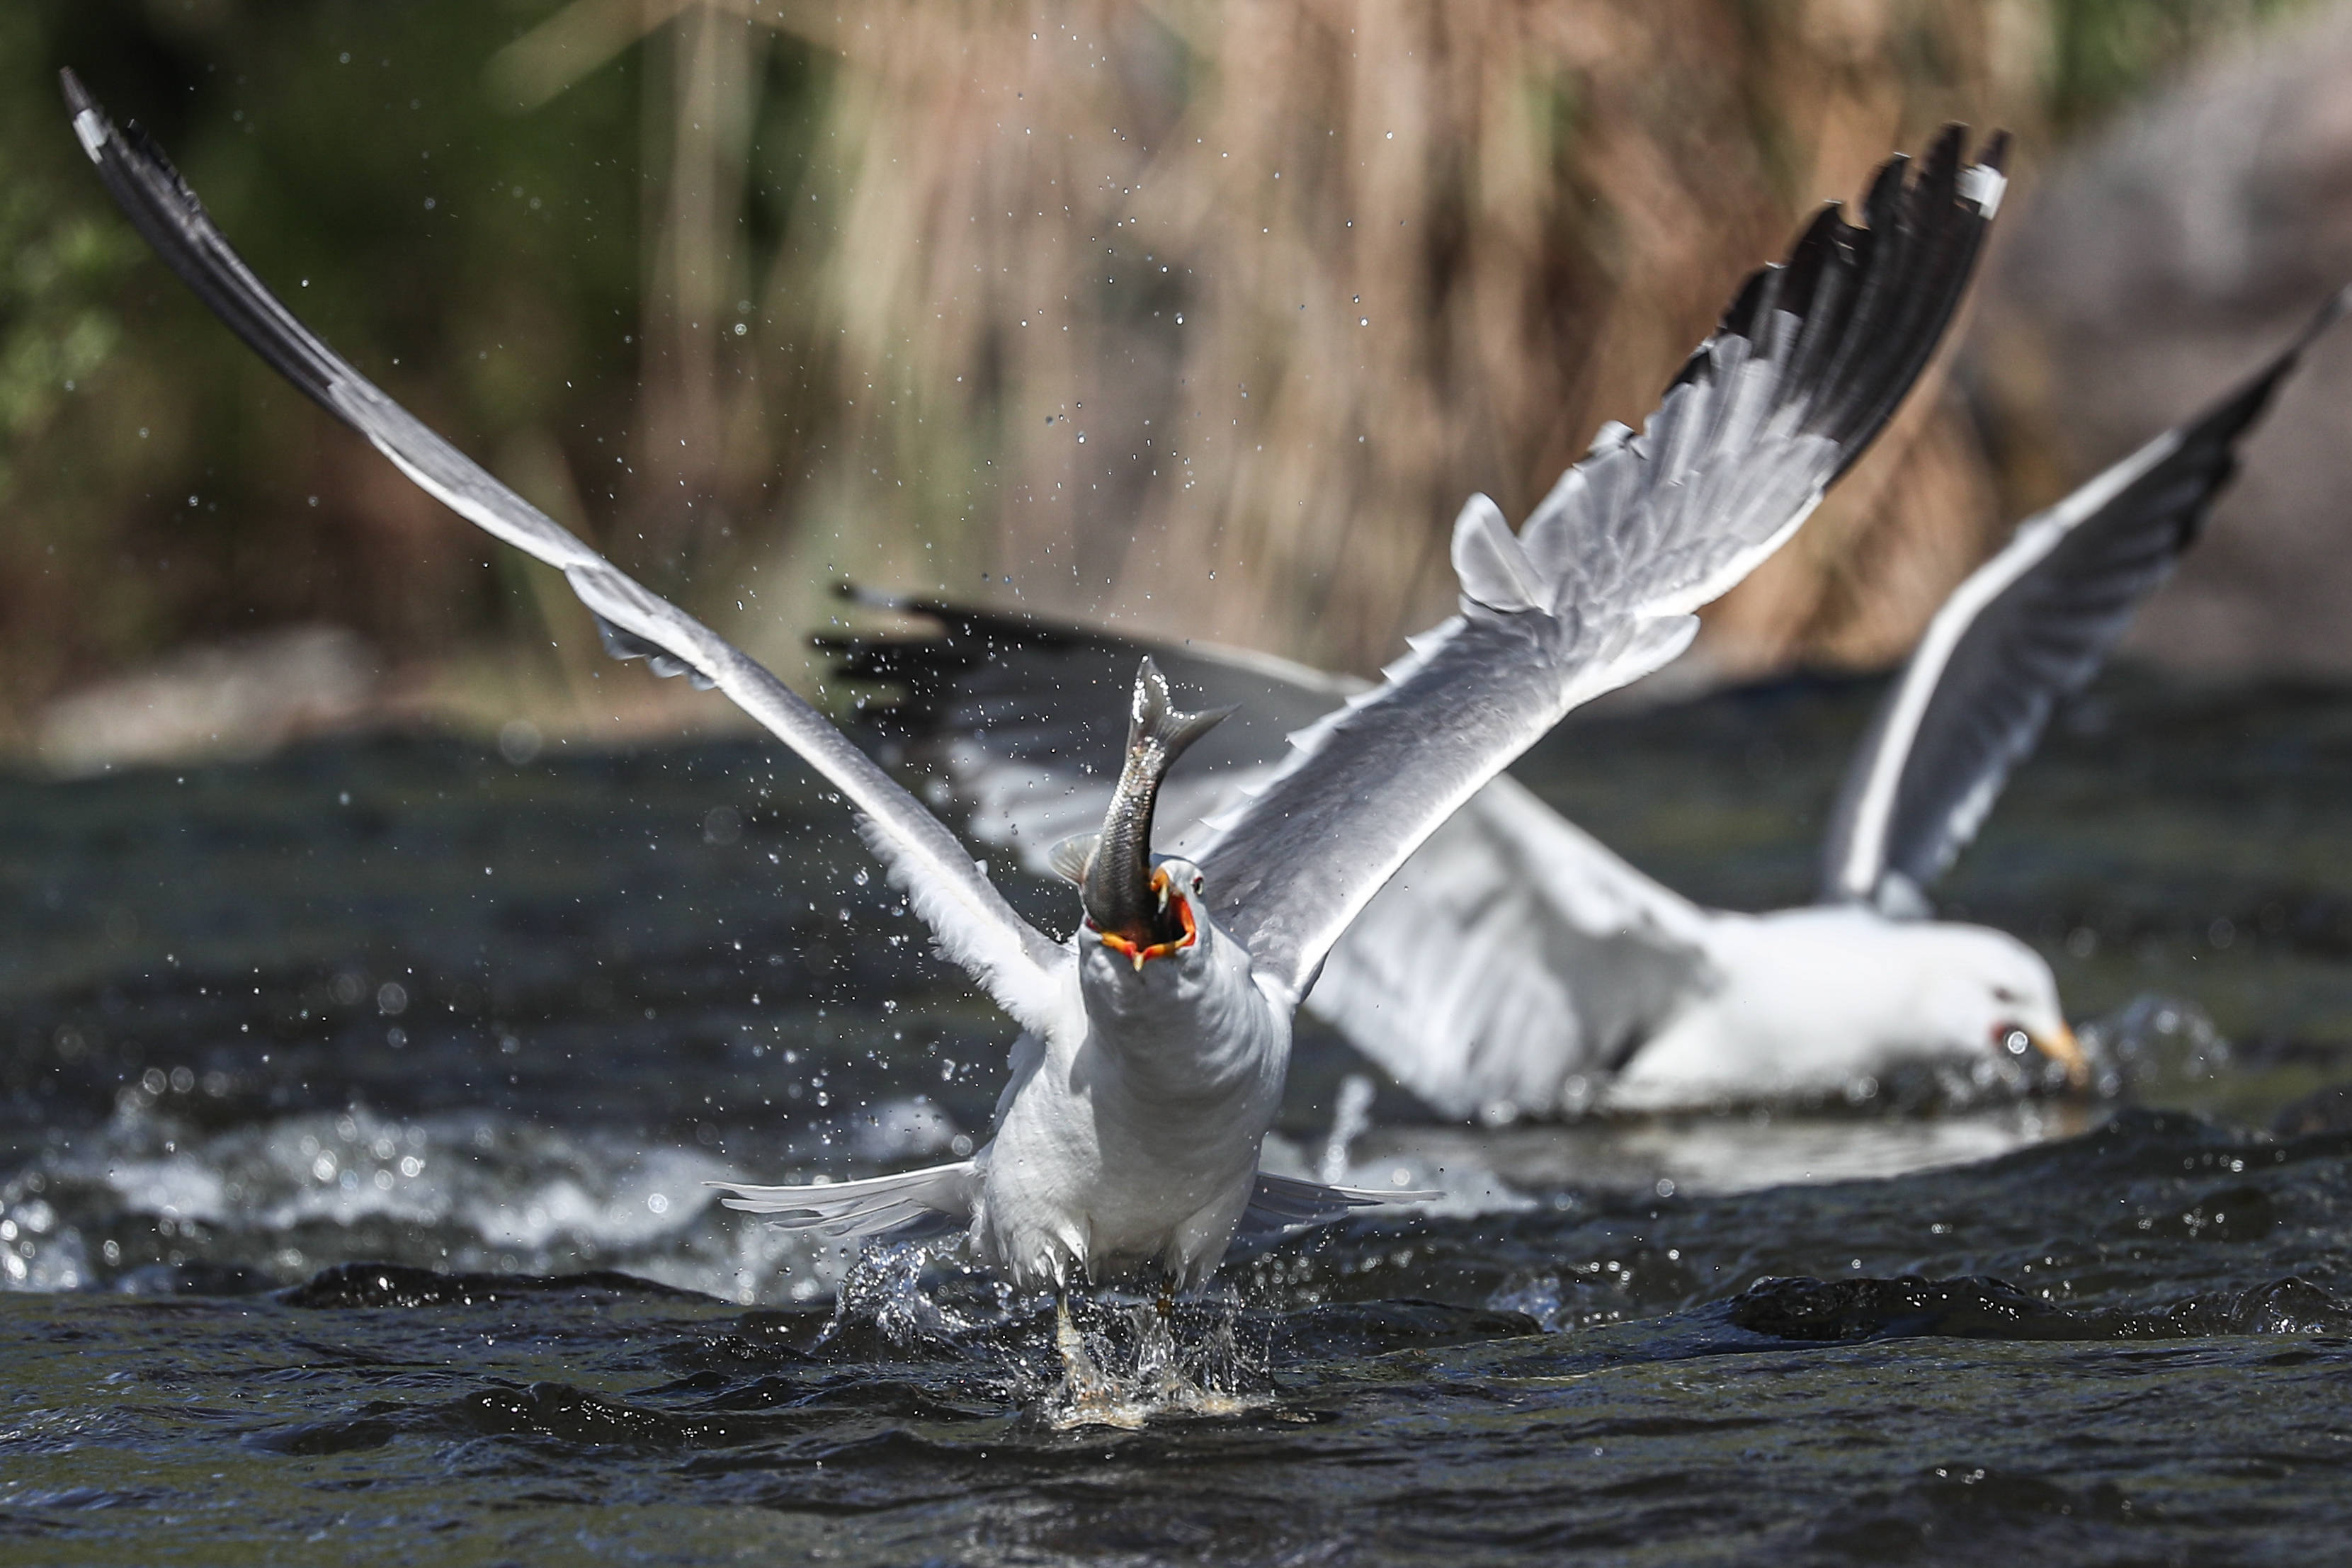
2061	1047
1169	900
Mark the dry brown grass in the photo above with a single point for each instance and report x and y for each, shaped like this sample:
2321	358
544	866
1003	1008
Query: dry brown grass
1201	315
1208	316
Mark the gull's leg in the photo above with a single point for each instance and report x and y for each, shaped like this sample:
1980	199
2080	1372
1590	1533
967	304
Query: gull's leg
1157	1363
1077	1365
1086	1397
1081	1378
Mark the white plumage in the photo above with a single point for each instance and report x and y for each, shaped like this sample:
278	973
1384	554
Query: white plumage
1515	966
1156	1039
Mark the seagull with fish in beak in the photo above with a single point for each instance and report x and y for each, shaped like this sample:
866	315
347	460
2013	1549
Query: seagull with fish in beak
1154	1041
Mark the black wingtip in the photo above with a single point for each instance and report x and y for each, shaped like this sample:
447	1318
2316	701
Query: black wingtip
90	126
1740	316
955	624
2330	312
1923	222
1825	240
1921	254
1887	187
925	606
2234	415
1951	145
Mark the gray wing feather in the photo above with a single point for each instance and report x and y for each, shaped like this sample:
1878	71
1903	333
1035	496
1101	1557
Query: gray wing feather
1511	955
2026	629
1284	1206
1016	714
973	925
911	1205
1599	587
1038	690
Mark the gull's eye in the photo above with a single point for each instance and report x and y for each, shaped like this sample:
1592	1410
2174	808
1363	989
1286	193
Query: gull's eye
1196	882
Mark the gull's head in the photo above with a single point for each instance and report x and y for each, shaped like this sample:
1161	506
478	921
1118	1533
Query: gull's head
1169	923
1997	995
1135	907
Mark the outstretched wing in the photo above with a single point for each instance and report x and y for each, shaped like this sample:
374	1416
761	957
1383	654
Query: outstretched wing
1012	715
1509	958
973	925
1599	586
1510	954
2028	628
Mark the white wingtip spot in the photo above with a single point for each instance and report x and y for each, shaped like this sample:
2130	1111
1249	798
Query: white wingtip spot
1983	185
91	128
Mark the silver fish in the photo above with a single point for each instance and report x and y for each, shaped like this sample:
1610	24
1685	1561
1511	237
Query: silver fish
1113	868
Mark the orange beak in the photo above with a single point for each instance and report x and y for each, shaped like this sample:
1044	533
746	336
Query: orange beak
2067	1052
1170	897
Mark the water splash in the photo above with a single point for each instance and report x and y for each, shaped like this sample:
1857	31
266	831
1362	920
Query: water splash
1351	1118
2153	1044
915	1296
152	1201
1128	1365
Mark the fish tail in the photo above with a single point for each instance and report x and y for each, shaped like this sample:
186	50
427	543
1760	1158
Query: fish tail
1153	721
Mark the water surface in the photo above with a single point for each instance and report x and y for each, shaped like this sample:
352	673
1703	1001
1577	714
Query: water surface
355	1105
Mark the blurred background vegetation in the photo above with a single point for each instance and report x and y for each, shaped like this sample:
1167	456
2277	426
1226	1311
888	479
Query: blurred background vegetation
1203	315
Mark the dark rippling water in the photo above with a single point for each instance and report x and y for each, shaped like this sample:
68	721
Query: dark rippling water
357	1105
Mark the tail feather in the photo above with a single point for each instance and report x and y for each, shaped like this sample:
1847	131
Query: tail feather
1283	1205
929	1202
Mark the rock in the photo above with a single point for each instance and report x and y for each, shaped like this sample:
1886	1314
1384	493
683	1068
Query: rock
2326	1110
1833	1311
2148	272
241	698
